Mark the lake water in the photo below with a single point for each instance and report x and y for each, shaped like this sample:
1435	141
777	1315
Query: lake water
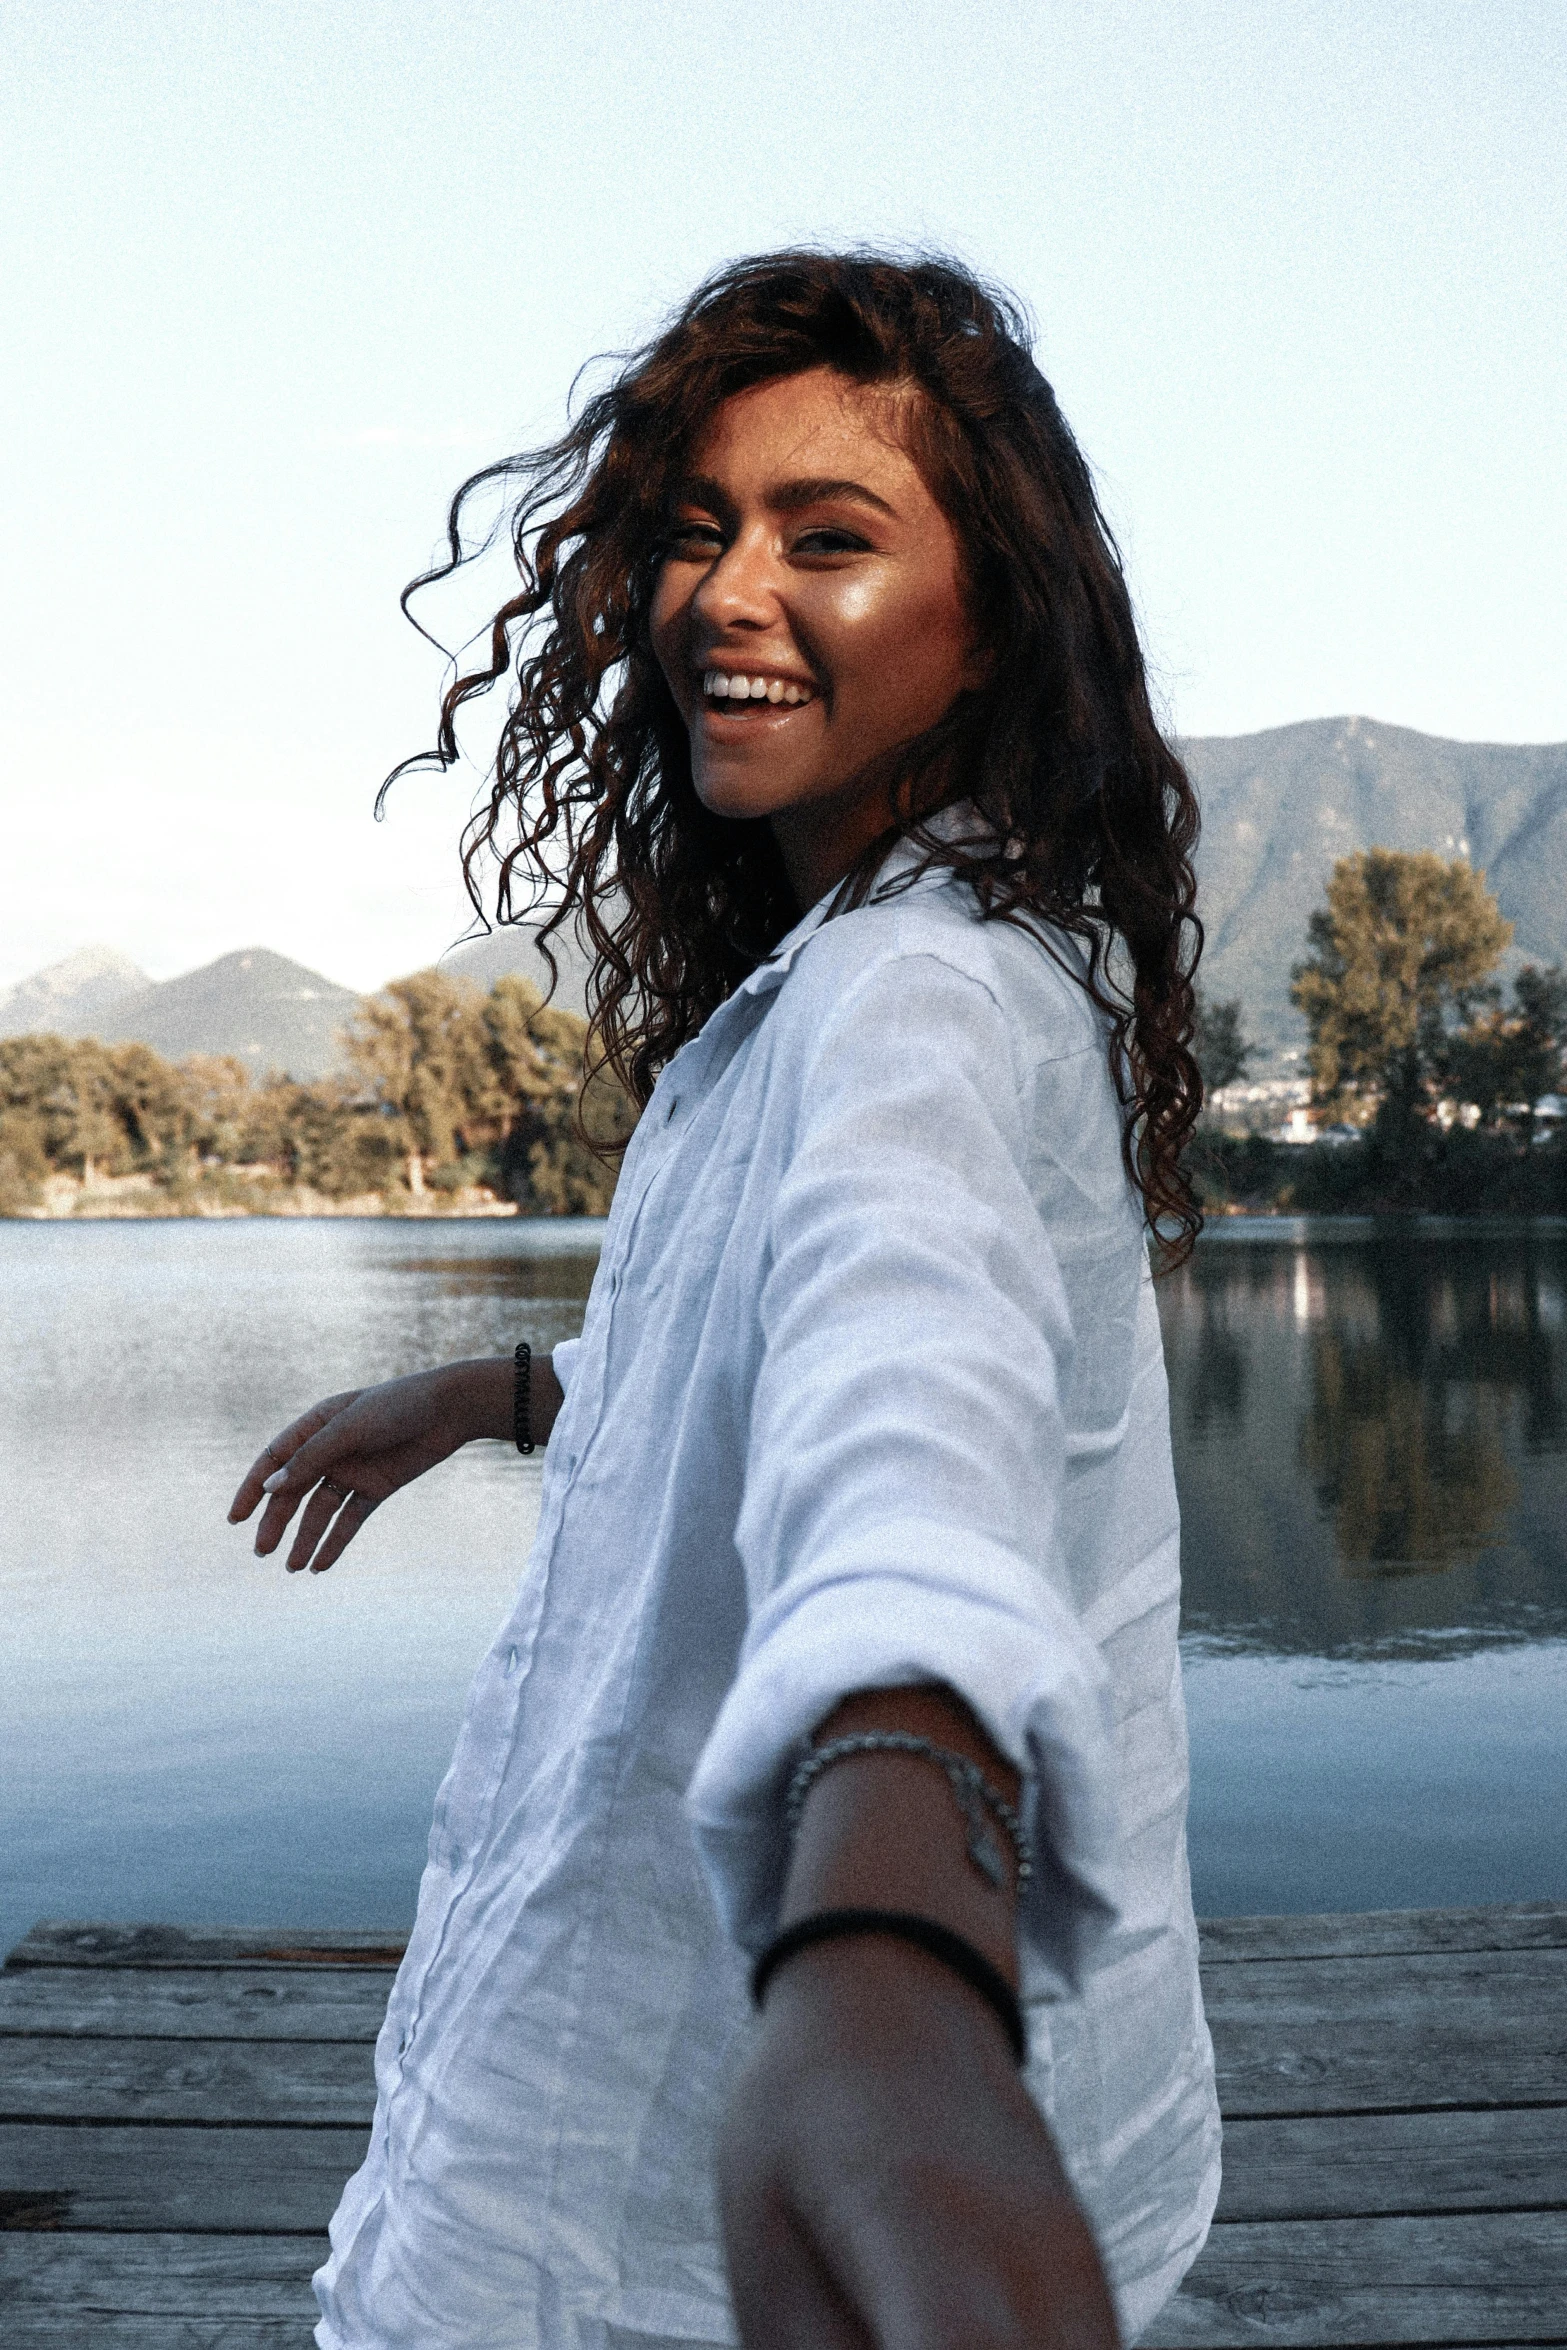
1371	1440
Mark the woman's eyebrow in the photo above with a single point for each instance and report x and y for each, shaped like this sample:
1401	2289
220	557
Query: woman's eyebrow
787	497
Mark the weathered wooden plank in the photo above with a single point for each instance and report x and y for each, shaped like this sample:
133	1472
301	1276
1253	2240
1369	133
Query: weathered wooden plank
240	2179
47	2329
94	2279
196	2003
1513	1925
1355	2165
56	1942
280	2081
1525	1925
224	2182
1447	2029
1301	2284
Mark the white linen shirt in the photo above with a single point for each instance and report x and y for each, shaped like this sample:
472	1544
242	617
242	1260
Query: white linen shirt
869	1391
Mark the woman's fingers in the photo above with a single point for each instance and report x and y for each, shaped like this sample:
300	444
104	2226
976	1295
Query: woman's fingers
251	1486
279	1452
353	1514
332	1517
321	1499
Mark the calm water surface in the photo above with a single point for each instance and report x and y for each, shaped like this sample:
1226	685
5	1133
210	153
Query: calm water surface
1370	1432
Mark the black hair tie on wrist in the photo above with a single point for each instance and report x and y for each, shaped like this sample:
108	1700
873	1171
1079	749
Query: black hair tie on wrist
522	1398
938	1942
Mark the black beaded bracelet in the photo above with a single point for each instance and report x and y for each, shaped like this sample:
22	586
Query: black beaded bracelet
938	1942
522	1398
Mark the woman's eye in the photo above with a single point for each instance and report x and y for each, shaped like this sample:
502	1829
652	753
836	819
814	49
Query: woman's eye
826	540
694	538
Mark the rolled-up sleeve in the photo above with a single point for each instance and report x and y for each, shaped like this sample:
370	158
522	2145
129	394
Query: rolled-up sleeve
907	1447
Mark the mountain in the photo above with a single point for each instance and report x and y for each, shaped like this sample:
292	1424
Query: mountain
70	998
484	960
1280	807
263	1009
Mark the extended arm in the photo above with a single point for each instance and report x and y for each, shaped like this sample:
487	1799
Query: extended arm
885	2177
351	1452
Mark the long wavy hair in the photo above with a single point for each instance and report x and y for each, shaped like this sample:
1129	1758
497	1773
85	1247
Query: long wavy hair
592	816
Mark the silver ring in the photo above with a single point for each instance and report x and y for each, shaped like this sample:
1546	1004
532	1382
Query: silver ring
343	1492
274	1456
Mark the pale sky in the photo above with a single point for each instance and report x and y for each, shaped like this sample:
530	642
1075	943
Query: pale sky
274	276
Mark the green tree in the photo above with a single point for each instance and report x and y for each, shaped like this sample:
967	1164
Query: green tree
29	1070
218	1105
555	1135
1400	956
419	1048
1541	997
150	1103
1507	1059
1221	1052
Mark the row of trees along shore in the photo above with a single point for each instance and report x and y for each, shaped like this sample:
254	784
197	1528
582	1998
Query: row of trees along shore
450	1098
453	1098
1430	1074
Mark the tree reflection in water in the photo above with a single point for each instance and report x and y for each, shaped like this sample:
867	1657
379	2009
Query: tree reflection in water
1369	1435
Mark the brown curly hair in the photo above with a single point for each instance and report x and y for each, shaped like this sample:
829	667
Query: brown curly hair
592	805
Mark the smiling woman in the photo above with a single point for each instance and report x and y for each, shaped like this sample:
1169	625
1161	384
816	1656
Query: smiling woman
848	475
845	1664
810	616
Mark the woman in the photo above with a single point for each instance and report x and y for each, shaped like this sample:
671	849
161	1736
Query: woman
858	1543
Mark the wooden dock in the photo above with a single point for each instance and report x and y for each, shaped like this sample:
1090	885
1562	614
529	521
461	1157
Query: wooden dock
180	2108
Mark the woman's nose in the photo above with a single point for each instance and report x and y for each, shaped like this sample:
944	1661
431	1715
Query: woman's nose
741	588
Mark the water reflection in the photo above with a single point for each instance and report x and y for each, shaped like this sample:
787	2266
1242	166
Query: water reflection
1370	1435
558	1276
1369	1442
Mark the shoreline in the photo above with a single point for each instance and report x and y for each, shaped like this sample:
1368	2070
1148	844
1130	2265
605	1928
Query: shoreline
140	1198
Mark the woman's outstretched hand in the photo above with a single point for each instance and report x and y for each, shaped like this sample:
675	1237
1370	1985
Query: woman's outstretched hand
350	1452
886	2181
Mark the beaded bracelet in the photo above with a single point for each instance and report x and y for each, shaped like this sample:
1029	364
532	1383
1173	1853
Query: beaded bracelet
522	1397
969	1784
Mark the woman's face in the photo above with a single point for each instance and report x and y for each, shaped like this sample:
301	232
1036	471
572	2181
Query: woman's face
809	615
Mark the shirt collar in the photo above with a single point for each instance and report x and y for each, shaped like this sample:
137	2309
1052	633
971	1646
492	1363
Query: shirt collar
960	824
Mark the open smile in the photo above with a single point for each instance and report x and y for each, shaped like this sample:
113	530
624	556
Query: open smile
733	694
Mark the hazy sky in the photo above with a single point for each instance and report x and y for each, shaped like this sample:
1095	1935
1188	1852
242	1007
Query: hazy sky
274	276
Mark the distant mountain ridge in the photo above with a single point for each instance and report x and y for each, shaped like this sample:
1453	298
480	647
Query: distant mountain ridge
512	949
70	998
262	1008
258	1007
1279	808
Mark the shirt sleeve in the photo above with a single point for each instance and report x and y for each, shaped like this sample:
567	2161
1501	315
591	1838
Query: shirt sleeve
563	1361
907	1449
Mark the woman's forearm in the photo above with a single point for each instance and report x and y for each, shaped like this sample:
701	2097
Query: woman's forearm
883	1831
484	1393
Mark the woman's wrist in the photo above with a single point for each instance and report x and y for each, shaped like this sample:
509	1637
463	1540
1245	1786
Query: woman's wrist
884	1831
483	1396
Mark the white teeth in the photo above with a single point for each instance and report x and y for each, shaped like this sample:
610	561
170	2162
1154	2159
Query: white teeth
719	687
